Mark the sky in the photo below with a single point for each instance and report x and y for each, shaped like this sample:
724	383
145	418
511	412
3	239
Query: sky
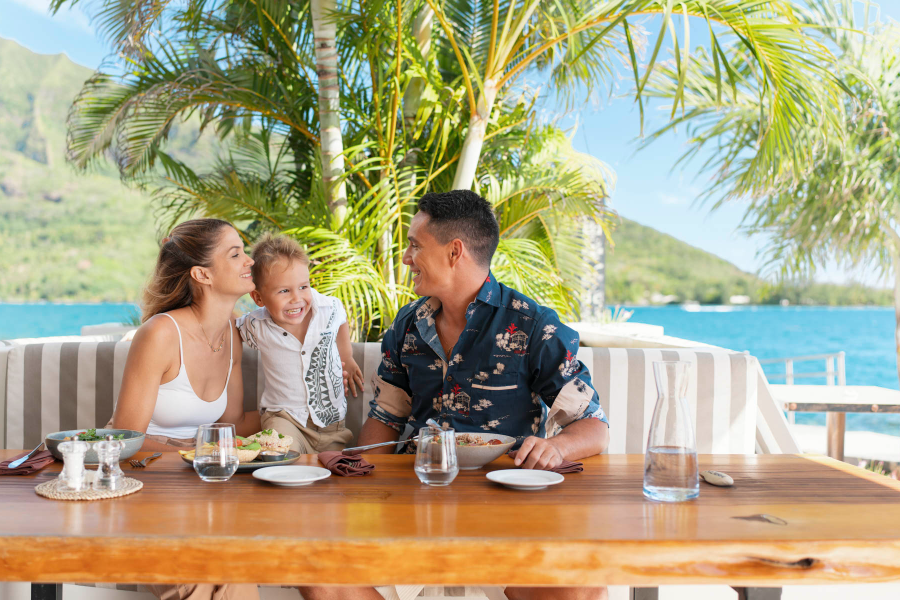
647	189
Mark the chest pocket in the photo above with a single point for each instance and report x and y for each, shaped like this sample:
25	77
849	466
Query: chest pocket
494	396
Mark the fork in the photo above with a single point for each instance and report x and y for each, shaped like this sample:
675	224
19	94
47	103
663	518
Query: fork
140	464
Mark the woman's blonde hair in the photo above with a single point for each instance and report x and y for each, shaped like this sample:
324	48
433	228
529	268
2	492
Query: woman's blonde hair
271	249
191	244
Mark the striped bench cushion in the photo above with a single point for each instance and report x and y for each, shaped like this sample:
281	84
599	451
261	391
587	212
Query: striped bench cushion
73	385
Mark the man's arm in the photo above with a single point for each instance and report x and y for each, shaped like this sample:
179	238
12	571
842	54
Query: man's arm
581	439
564	384
391	404
375	432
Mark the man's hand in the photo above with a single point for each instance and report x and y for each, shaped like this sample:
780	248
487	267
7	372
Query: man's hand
537	453
353	376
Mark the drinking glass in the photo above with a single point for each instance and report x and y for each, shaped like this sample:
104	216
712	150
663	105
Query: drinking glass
670	466
436	462
216	457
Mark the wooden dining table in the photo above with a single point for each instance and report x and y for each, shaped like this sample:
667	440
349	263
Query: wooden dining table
787	520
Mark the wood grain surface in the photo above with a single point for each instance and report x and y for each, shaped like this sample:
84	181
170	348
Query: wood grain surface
841	524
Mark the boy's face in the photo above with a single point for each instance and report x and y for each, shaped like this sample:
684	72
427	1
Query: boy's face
285	292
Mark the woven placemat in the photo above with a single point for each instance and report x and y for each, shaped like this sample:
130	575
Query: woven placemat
50	489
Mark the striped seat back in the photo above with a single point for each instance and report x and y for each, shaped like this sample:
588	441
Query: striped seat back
722	396
73	385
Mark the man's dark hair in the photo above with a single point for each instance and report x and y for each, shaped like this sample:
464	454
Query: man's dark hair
464	215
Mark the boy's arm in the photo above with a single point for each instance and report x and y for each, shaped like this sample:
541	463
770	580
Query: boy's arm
353	376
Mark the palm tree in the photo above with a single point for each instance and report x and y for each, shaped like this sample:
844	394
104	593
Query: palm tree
414	116
580	41
836	199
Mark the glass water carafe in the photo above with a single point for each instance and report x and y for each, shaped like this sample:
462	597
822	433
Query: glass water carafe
670	465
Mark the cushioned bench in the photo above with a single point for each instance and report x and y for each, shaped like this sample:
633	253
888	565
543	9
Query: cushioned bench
69	385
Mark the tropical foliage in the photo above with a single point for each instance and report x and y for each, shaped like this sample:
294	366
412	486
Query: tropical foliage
416	111
844	205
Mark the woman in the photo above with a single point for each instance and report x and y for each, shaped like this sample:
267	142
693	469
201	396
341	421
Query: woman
184	365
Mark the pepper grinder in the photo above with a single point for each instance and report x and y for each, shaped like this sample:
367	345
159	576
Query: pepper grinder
109	475
71	478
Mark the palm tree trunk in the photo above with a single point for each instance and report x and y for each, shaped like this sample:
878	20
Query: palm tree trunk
471	150
332	149
413	95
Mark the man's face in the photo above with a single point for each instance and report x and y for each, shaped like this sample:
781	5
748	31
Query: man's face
428	259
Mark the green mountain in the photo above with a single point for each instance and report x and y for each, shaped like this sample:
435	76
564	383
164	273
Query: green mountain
69	236
64	235
647	266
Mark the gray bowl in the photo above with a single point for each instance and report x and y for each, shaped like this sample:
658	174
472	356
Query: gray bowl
133	442
475	457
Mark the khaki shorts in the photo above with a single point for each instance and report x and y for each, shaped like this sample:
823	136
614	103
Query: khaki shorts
309	438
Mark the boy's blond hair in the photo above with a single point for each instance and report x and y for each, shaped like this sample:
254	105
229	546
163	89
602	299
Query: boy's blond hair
270	250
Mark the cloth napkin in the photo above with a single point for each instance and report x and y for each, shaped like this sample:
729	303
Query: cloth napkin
35	463
567	466
346	466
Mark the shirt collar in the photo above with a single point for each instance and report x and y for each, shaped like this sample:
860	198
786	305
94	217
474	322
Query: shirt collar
490	291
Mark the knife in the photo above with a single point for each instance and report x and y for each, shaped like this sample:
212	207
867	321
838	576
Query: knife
16	463
358	449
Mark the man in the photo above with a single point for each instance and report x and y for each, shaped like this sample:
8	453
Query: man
478	356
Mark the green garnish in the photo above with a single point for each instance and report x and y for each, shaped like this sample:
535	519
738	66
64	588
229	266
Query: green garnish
280	437
90	435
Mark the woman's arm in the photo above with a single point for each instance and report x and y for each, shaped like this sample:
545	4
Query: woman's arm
245	423
149	360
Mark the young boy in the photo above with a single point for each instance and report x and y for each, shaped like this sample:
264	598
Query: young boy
303	339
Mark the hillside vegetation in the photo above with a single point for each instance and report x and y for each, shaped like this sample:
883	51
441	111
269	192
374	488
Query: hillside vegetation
64	236
68	236
645	263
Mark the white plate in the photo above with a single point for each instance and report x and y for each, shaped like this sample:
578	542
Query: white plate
525	479
292	476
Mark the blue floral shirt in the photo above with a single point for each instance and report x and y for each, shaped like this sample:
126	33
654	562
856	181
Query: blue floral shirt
513	370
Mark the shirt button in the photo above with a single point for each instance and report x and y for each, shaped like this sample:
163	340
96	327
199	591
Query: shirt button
285	334
303	352
449	378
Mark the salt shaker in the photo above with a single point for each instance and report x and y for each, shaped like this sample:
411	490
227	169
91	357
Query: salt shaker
109	475
71	478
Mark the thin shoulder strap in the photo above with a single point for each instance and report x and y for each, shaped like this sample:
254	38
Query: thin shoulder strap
180	347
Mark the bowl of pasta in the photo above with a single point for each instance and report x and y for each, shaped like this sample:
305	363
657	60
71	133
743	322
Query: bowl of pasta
474	450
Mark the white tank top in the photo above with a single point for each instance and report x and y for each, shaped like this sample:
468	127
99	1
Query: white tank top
179	411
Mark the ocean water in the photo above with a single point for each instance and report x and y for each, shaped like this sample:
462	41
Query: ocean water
45	319
866	335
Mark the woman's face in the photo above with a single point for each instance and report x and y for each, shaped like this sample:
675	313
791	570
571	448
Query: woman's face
229	273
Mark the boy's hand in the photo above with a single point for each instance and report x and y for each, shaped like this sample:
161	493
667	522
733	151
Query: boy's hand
353	377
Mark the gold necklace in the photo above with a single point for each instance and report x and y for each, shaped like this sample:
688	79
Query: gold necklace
208	343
